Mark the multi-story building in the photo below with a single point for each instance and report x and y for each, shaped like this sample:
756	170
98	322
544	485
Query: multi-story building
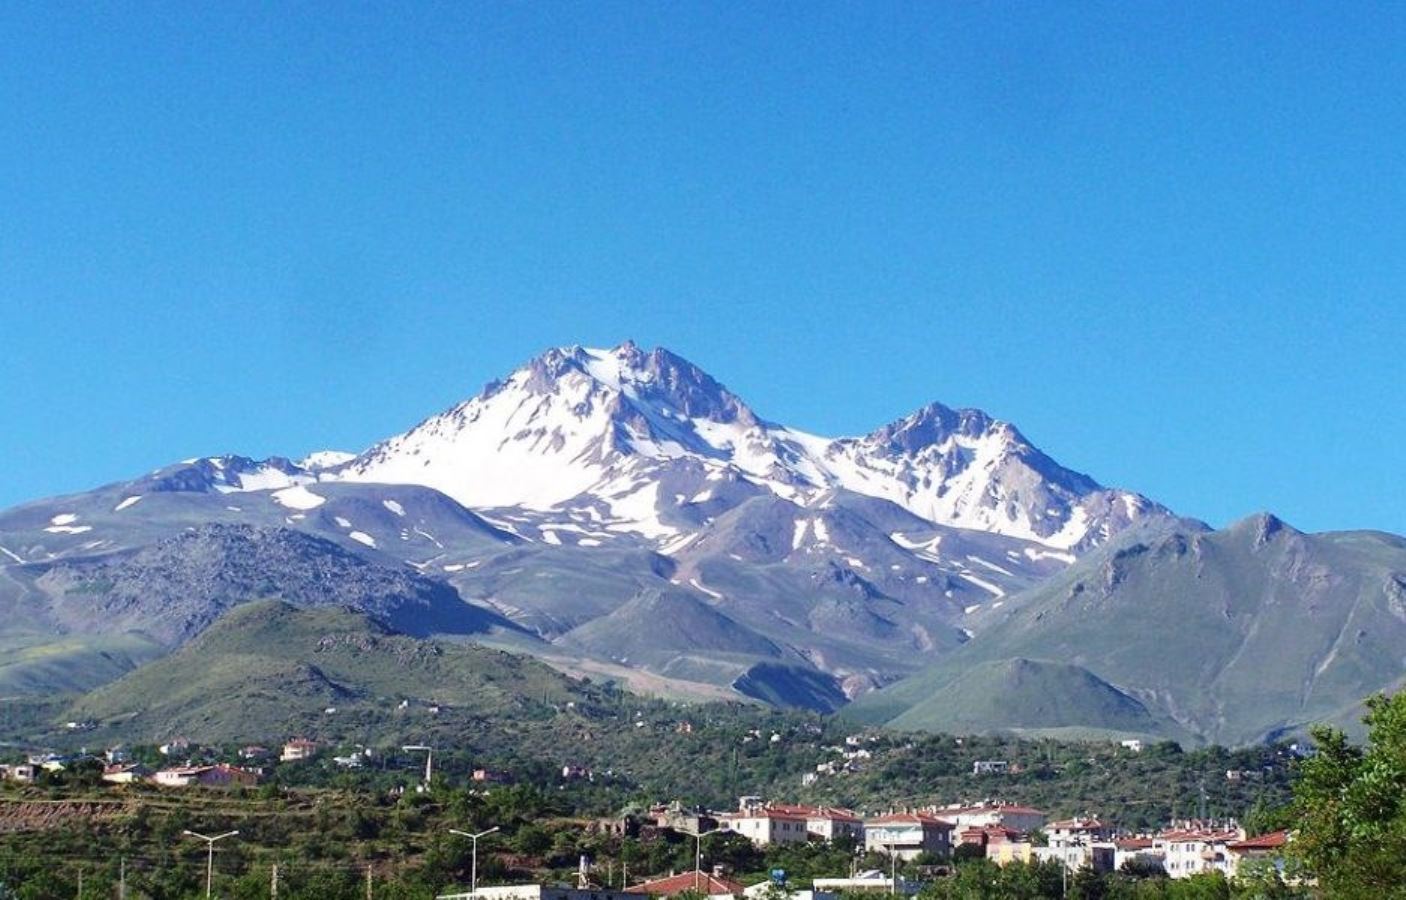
1192	848
908	835
1079	830
297	750
1079	843
1007	815
1007	852
1137	850
763	825
825	823
1098	857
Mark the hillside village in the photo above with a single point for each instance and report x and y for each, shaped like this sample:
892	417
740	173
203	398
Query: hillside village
923	839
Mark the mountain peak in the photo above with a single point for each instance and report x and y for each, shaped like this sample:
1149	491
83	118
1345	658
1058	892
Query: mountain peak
626	429
935	423
1262	527
671	385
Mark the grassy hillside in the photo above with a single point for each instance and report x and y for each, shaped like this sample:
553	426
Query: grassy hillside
1035	698
36	664
280	667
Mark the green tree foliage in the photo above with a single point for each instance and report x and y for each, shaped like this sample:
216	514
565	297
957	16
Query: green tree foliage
1350	805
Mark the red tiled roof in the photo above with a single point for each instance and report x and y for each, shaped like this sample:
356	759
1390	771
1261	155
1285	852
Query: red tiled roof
814	812
768	812
1076	825
793	809
1207	835
1133	843
988	834
911	819
1271	841
688	881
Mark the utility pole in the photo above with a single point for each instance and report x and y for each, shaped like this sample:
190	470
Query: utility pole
122	878
80	884
368	881
273	883
210	855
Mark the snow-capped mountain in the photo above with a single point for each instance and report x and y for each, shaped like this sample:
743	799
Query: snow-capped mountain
618	510
634	436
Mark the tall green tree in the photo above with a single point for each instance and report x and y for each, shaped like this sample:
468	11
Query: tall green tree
1350	803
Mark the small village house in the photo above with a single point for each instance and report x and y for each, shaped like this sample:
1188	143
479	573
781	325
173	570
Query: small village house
298	750
1265	849
126	773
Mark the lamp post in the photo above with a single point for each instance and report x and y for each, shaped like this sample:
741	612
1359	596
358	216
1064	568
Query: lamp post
429	760
210	855
473	871
698	853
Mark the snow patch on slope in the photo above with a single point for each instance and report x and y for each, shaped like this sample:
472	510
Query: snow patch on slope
298	497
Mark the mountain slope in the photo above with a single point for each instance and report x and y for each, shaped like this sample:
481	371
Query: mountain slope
281	667
1035	698
1236	635
175	588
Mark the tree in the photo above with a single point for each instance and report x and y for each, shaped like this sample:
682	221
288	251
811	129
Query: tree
1350	803
967	852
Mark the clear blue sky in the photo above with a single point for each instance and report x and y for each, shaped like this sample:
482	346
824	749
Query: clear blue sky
1167	240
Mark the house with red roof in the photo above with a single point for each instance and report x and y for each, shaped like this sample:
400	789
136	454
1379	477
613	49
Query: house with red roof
1264	849
986	835
689	882
1137	850
765	825
825	823
298	750
1192	848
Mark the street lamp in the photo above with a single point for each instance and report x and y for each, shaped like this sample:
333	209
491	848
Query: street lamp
698	853
429	759
209	855
473	876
